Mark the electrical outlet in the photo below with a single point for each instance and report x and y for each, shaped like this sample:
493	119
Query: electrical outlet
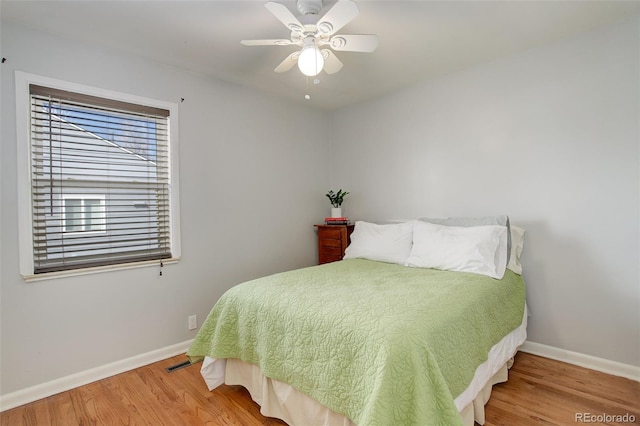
193	322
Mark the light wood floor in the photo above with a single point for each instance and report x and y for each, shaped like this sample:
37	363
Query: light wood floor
539	391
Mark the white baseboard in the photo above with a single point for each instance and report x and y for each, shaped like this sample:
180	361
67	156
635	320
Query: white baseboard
594	363
62	384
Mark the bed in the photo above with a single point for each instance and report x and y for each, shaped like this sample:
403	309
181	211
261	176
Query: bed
365	341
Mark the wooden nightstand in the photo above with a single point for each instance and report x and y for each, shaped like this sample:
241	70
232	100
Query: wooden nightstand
332	241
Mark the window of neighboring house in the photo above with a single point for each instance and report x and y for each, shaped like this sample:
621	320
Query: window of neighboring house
83	213
101	178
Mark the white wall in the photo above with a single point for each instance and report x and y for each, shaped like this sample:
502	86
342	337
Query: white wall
549	137
250	191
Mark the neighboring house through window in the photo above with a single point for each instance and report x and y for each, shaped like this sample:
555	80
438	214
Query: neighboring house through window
101	178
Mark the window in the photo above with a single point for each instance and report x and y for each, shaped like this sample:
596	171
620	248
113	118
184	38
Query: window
83	213
100	180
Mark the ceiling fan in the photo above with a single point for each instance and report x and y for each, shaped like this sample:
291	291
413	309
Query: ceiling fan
313	33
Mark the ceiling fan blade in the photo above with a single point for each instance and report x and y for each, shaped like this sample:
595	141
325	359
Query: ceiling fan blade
288	62
337	17
354	43
285	16
331	62
266	42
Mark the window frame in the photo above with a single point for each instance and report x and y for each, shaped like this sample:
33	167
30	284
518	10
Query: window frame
23	136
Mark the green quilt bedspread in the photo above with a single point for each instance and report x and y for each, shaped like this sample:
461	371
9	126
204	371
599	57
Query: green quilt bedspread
380	343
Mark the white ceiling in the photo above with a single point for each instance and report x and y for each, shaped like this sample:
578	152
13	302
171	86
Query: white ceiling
418	39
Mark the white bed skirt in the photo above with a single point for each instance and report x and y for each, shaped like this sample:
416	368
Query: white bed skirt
280	400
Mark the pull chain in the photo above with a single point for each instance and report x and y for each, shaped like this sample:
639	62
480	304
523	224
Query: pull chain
161	265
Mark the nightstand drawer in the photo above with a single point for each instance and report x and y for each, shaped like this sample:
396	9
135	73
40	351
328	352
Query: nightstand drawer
328	258
330	233
331	243
335	251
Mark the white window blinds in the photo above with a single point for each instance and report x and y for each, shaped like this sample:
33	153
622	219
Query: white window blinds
100	181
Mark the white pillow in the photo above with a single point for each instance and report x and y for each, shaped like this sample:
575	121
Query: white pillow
517	244
475	221
386	243
479	249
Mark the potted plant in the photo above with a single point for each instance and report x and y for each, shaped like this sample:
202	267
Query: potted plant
336	199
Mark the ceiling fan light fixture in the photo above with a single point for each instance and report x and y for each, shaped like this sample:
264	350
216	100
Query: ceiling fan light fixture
310	61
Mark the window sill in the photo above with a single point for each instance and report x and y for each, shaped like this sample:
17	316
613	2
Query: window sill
98	269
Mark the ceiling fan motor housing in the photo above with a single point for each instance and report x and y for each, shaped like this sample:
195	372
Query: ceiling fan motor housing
309	7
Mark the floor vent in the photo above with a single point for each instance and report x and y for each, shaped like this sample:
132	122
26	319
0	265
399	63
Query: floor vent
178	366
